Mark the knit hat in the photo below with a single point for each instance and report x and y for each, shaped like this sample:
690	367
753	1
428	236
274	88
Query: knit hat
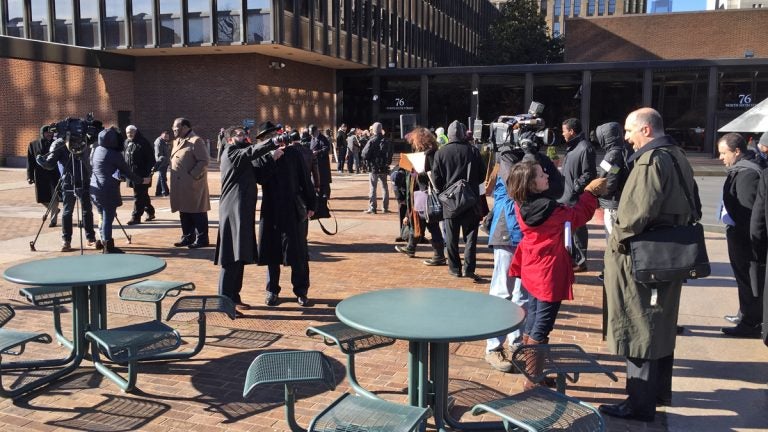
457	132
763	140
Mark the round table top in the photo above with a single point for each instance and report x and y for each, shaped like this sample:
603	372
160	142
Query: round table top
430	314
77	270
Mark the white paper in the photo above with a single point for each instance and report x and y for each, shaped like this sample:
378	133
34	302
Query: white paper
417	161
568	237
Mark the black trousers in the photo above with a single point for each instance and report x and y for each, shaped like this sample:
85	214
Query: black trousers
231	280
141	202
580	241
647	382
468	223
740	254
194	227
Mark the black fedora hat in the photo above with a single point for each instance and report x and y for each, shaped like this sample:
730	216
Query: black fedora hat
265	128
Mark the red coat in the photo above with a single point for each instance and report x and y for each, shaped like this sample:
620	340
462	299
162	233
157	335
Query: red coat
541	259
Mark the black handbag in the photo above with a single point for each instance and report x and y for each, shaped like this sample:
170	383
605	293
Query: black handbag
434	206
458	197
323	211
675	253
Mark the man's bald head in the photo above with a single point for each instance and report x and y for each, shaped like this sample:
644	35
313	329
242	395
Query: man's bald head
643	126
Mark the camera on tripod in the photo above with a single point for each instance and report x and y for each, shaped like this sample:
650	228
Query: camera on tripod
78	133
521	133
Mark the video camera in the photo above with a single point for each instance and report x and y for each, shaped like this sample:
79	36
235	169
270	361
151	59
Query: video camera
78	133
521	133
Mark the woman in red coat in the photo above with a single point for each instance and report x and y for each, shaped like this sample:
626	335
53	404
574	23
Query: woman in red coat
541	259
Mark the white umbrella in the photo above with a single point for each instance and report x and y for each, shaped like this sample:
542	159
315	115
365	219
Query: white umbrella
754	120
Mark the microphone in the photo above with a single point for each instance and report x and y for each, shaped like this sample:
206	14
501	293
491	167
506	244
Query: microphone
608	168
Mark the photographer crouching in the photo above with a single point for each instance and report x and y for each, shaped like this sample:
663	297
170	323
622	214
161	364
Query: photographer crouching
70	155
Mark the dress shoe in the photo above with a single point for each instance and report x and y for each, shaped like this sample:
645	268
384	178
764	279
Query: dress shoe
581	268
98	245
182	243
435	261
406	251
400	240
66	247
624	411
742	331
150	217
242	306
133	221
734	319
197	245
476	278
303	301
454	273
270	299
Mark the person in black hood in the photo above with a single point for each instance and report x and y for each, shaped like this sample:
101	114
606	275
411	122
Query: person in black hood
455	161
614	167
107	163
140	156
578	170
45	181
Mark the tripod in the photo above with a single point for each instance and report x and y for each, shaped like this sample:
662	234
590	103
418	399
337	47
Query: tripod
74	193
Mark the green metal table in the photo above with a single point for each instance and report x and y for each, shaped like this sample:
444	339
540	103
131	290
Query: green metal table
88	275
429	319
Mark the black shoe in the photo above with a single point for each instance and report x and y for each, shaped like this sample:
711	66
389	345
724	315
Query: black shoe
400	240
476	278
303	301
149	217
454	273
405	250
270	299
183	243
663	401
197	245
734	319
581	268
624	411
435	261
133	221
601	277
742	331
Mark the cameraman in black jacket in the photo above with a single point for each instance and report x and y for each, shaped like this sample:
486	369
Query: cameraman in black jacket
140	155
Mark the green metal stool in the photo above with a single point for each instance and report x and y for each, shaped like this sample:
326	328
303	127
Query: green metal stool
347	413
350	341
13	342
541	409
154	291
54	296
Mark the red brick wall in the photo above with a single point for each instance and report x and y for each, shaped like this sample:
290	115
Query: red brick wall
675	36
215	91
37	93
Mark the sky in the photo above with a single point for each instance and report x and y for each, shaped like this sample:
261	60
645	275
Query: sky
688	5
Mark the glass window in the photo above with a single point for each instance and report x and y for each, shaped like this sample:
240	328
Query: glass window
303	8
228	20
89	24
544	7
557	9
601	7
590	7
567	7
15	21
38	25
576	8
63	29
558	94
259	21
556	28
400	95
611	7
114	23
501	95
141	23
614	95
681	98
170	22
450	98
735	90
199	14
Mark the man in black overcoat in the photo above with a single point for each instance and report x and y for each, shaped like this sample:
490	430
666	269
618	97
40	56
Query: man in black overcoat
236	242
288	201
140	155
45	181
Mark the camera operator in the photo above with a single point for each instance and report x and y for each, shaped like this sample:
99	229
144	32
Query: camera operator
45	181
106	160
530	145
69	153
140	156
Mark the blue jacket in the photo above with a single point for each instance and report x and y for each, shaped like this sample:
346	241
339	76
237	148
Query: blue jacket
505	230
108	163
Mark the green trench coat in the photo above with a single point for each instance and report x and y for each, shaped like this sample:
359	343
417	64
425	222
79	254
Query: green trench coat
652	196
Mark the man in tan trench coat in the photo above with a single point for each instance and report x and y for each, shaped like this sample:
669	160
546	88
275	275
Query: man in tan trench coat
189	184
642	318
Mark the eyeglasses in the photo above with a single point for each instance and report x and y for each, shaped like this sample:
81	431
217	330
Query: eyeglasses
240	134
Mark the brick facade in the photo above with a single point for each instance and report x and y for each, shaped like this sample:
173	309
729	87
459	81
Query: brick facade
36	93
215	91
675	36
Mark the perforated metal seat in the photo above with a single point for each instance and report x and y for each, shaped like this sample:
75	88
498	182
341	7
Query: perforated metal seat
13	342
347	413
154	291
350	341
541	409
564	360
54	296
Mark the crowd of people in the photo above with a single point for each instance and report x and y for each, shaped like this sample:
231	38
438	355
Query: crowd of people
536	226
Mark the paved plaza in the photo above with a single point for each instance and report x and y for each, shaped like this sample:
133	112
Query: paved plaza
719	383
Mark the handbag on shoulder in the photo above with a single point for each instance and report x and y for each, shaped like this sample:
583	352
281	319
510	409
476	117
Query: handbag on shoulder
673	253
459	196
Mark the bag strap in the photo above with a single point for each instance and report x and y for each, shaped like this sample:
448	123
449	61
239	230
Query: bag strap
469	167
694	215
335	222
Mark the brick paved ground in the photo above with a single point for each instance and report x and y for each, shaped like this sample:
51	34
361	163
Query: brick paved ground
205	393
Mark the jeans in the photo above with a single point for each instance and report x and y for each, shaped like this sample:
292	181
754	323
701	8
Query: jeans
509	288
373	181
353	158
469	224
70	200
162	182
541	318
141	202
299	278
194	227
107	218
437	238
